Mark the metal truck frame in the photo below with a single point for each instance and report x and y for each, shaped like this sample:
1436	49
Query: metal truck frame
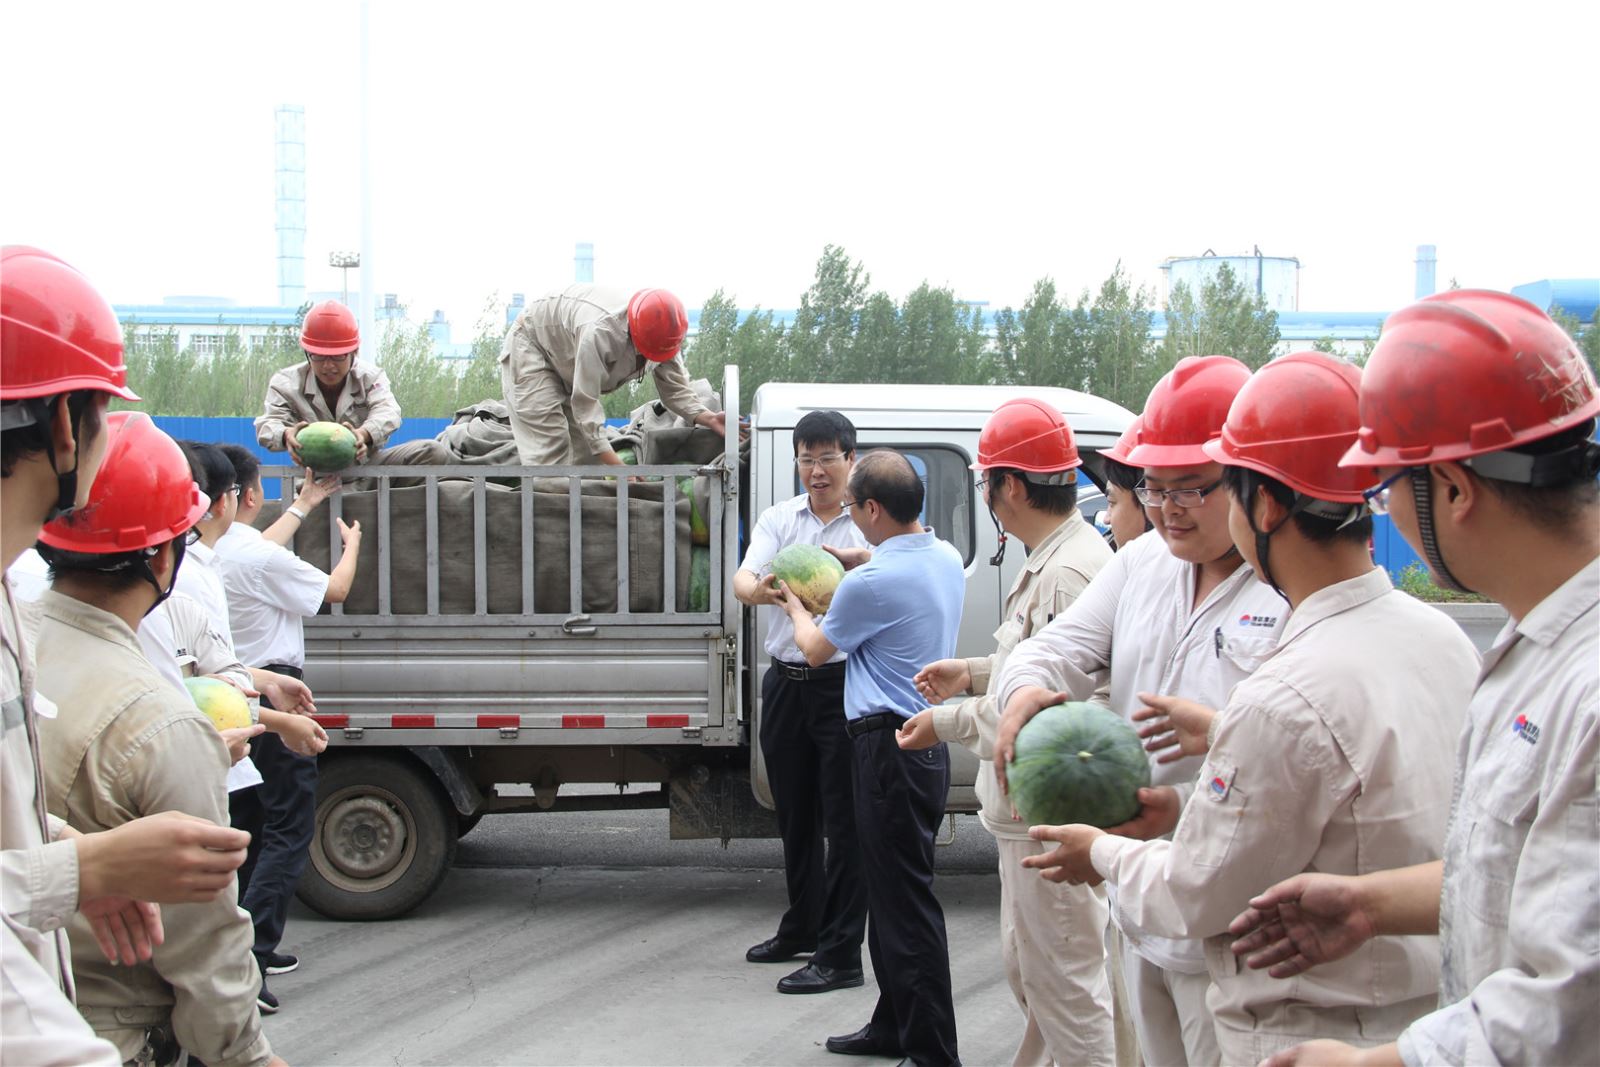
430	716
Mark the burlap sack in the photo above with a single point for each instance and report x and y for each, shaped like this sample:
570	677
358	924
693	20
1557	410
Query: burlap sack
504	533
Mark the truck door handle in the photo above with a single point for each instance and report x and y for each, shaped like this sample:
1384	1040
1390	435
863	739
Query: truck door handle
578	626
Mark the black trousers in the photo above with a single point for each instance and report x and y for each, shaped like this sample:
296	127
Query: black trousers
281	816
900	798
808	764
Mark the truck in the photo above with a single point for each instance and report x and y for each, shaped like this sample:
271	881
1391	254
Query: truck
529	634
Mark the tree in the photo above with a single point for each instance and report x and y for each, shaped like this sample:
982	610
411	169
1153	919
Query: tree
820	345
1587	336
1227	319
880	342
930	337
1116	330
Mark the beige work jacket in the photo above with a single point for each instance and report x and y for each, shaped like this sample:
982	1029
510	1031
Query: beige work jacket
581	333
1057	571
293	397
1327	758
1520	914
39	880
126	744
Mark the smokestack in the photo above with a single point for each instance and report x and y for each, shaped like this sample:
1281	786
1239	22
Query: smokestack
291	183
1427	265
583	263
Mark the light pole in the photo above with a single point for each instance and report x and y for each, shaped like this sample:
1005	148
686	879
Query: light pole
344	261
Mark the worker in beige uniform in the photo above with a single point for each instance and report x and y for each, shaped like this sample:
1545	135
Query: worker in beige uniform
1052	936
568	349
1176	613
126	744
1477	423
1313	763
333	385
60	363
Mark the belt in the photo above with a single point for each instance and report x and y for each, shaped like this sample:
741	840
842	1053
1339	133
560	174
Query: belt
809	674
878	720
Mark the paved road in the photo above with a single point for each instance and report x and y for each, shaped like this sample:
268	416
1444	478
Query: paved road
593	939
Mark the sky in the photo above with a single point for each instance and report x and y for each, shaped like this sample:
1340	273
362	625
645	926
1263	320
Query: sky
702	146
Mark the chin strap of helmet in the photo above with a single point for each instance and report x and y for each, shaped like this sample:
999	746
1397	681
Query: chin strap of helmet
1000	533
1326	509
1422	492
180	545
38	411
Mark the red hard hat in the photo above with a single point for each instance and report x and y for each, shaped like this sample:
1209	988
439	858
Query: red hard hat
1125	443
1186	409
1467	372
57	334
657	323
330	330
1292	421
145	494
1027	435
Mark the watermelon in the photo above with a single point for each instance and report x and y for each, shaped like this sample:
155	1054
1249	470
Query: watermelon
811	573
327	447
1077	763
628	456
699	579
699	532
224	705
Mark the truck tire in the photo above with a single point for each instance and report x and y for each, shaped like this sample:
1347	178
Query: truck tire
385	838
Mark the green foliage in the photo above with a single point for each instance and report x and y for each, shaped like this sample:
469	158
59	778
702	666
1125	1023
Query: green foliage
1416	581
1586	334
1227	319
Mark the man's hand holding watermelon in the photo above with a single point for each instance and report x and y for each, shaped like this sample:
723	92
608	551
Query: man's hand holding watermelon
291	441
363	442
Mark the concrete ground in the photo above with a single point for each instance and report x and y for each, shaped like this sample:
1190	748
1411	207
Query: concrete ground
633	954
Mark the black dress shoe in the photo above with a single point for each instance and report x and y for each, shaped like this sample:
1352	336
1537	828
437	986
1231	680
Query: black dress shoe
864	1042
819	978
777	950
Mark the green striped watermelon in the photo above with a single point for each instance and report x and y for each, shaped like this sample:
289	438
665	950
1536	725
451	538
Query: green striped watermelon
1077	763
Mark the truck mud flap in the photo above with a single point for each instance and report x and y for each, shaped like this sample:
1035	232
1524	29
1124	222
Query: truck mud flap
706	803
462	790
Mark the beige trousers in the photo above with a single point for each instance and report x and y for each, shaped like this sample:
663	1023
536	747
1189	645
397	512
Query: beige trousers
1121	1010
1052	938
1169	1010
541	416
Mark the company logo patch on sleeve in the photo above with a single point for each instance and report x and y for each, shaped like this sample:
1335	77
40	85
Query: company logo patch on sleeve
1525	730
1219	782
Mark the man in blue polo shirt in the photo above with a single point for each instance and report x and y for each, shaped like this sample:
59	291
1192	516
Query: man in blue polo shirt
893	613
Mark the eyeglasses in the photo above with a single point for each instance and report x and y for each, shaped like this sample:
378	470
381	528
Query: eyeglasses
317	357
1183	498
1377	497
846	505
827	459
191	535
980	483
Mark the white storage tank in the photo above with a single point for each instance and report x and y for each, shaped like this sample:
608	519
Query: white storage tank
1275	278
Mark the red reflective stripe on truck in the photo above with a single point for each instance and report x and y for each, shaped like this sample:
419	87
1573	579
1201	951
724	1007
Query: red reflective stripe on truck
666	721
494	722
583	722
411	722
332	722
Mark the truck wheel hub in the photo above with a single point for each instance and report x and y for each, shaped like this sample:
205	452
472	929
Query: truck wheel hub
364	837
